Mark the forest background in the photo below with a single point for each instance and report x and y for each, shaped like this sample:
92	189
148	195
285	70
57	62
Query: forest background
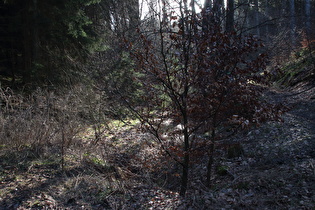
133	90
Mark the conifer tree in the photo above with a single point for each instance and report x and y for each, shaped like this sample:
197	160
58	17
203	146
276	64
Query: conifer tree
45	40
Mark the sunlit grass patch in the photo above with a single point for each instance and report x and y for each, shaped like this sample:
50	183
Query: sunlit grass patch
128	123
107	130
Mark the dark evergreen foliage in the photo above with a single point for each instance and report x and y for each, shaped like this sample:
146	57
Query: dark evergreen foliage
46	41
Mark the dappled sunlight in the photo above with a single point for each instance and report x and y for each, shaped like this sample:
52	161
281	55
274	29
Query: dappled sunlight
157	104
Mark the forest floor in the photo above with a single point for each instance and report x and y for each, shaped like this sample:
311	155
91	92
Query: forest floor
125	171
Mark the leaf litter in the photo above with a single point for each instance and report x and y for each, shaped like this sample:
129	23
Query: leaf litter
276	171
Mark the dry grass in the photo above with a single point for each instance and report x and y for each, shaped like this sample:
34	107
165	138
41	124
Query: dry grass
52	157
58	150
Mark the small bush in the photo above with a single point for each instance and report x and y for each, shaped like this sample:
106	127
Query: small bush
45	121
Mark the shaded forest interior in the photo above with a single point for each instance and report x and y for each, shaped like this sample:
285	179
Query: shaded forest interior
157	104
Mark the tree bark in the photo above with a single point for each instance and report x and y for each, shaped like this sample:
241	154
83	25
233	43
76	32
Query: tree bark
35	35
230	16
292	22
27	43
208	4
185	172
267	8
308	17
210	160
184	181
257	17
217	7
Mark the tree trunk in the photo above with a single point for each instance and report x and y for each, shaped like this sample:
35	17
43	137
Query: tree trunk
243	13
27	44
257	17
186	161
184	181
217	8
208	15
133	13
211	159
292	22
230	16
267	5
208	5
35	35
30	39
308	17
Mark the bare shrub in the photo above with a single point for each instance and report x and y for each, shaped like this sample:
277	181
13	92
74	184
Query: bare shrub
24	122
47	121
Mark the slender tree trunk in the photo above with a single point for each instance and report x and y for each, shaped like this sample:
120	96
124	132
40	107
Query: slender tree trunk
257	17
208	4
27	43
184	181
308	17
211	159
230	16
133	13
244	13
267	5
30	38
35	35
184	101
186	160
207	16
12	61
217	9
292	22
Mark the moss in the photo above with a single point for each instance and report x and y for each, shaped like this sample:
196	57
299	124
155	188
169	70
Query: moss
297	69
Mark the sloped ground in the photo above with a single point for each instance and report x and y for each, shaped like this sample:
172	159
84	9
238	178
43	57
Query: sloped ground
277	170
125	171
